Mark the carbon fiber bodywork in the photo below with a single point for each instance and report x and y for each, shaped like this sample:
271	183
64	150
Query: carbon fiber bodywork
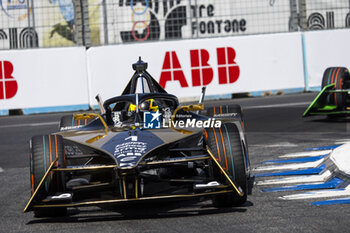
109	162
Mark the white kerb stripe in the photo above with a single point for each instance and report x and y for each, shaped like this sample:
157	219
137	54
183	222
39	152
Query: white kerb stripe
291	166
30	124
277	105
306	154
297	179
319	194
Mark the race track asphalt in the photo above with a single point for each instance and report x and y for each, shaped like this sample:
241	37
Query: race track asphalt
274	127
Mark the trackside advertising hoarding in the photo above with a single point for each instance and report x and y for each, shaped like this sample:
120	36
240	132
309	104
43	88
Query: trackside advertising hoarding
43	78
326	49
224	65
73	76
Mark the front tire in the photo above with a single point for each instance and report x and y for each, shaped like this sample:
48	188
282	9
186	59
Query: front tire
44	150
339	76
226	145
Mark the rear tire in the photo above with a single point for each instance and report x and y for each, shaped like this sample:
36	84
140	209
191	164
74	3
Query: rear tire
226	145
67	122
339	76
216	111
44	150
223	109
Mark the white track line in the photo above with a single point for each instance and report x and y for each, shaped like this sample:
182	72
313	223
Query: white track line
291	166
277	105
297	179
343	141
319	194
29	124
306	154
282	144
1	170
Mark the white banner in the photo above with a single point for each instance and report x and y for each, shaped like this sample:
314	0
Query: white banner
133	21
325	49
43	78
224	65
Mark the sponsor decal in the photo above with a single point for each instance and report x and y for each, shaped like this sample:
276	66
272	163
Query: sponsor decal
8	84
128	147
128	153
207	23
71	127
163	20
132	138
233	114
117	119
202	73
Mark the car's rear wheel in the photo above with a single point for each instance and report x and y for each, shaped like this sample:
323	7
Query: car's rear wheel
339	76
44	150
223	109
67	122
226	145
231	110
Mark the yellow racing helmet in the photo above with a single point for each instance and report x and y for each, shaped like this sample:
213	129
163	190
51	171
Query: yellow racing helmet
147	105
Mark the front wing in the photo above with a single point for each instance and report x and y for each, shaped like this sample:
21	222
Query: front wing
320	107
232	187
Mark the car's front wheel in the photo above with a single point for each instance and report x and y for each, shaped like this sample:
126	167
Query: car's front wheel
226	145
44	150
339	76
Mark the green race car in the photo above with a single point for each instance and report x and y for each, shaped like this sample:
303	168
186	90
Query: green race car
334	98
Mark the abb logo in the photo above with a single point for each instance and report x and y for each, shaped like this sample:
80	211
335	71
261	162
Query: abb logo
8	85
201	71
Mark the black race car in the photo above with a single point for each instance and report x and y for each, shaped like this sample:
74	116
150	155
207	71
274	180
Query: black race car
142	147
334	98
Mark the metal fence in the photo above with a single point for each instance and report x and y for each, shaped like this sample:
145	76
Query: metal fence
56	23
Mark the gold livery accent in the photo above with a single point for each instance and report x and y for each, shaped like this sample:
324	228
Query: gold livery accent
124	188
136	188
83	116
236	187
193	107
175	160
85	168
133	199
40	184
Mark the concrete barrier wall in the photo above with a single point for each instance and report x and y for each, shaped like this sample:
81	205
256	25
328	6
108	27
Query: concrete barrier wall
43	78
325	49
65	77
